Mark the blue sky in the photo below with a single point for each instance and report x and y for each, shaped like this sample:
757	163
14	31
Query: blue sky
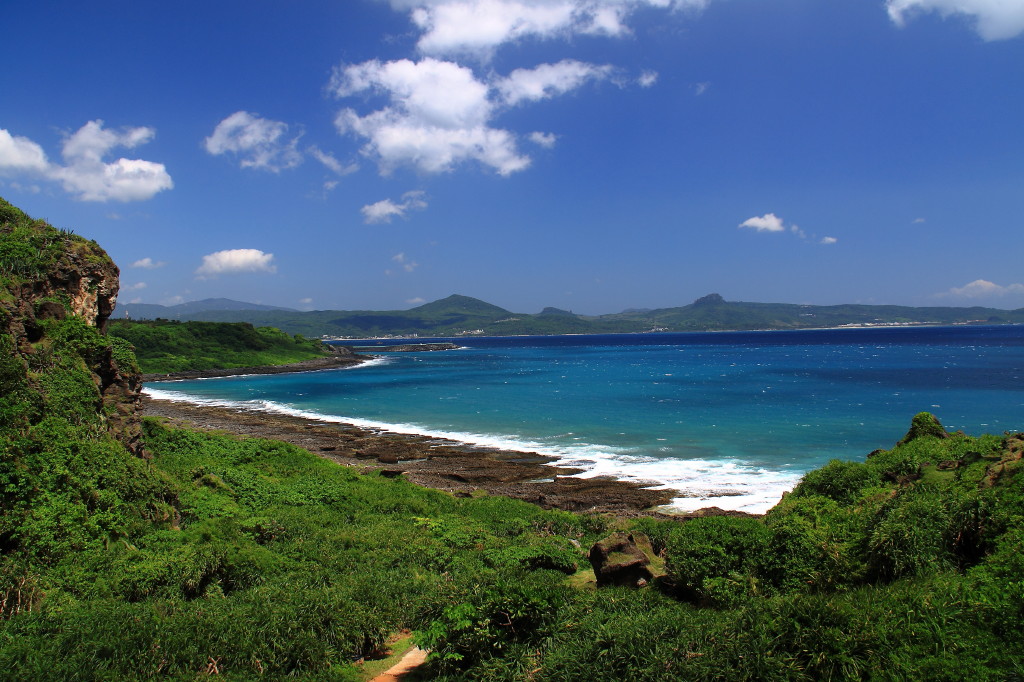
593	155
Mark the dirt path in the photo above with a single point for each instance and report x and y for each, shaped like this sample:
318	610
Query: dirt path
413	658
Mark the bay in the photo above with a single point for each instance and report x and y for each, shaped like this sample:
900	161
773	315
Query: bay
730	419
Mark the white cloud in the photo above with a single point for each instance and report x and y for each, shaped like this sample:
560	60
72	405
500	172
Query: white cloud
331	163
437	117
769	222
415	301
439	113
407	265
88	176
236	260
647	79
133	287
700	88
147	263
258	142
85	173
173	300
548	80
981	288
993	19
477	27
383	211
917	221
546	140
305	301
20	154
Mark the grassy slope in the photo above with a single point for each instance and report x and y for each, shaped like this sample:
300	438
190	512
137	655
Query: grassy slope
169	346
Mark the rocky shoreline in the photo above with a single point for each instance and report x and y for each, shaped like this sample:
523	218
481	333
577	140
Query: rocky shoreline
455	468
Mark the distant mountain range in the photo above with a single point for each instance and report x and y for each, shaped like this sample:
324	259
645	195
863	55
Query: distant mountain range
185	311
463	315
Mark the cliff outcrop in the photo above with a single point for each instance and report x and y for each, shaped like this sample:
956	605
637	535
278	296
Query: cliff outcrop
48	279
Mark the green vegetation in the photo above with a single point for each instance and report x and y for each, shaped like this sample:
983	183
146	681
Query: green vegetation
206	554
165	346
30	249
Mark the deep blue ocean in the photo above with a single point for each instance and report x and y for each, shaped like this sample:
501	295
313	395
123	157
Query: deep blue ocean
727	418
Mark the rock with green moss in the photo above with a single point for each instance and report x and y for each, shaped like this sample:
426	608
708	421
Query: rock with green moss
617	560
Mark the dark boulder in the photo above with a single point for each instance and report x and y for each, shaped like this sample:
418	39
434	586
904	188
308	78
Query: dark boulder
617	560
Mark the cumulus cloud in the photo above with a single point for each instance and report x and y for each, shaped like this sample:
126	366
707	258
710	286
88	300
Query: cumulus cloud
85	173
700	88
769	222
147	263
133	287
416	300
981	288
234	261
828	240
992	19
20	154
546	140
478	27
439	113
548	80
647	79
257	142
383	211
438	117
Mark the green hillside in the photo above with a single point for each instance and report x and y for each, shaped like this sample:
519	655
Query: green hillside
168	346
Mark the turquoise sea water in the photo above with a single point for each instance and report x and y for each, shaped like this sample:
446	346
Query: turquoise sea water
729	419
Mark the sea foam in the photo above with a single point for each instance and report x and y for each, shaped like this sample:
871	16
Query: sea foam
728	484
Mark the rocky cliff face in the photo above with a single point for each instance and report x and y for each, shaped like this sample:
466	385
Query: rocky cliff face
50	275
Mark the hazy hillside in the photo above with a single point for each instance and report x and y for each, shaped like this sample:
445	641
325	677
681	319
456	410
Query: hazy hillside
457	315
185	311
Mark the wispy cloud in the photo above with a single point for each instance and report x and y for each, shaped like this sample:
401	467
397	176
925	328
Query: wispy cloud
147	263
647	79
386	209
546	140
769	222
331	163
258	142
992	19
404	261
